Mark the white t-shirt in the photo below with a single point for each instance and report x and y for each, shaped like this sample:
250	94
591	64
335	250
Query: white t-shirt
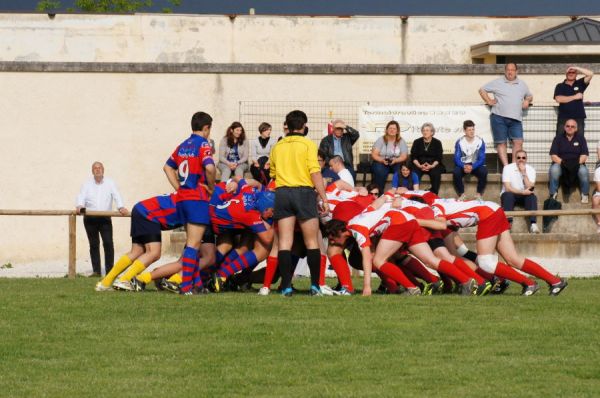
512	175
346	176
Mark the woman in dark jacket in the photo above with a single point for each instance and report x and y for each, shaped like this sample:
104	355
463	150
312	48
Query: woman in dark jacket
426	154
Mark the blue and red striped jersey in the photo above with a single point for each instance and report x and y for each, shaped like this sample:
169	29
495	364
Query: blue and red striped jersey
160	209
235	211
190	159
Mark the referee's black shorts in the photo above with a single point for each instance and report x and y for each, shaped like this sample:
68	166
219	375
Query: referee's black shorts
299	202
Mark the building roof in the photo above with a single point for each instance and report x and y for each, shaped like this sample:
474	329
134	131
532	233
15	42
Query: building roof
583	30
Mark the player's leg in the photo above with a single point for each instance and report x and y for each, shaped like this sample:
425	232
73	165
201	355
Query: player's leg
137	249
385	249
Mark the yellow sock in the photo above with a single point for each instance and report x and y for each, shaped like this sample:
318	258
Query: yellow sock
145	277
135	269
119	267
176	278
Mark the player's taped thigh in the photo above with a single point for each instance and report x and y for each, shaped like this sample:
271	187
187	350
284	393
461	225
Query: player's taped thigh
488	262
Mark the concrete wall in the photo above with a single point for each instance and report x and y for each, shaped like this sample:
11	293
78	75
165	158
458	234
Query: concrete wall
54	125
254	39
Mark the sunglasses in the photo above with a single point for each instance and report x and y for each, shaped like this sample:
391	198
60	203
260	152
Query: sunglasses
521	157
570	126
374	193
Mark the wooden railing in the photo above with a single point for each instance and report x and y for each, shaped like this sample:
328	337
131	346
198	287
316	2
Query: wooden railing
72	215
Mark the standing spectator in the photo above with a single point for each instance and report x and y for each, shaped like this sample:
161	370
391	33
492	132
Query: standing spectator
233	152
260	148
340	143
426	154
328	175
596	197
98	193
337	165
511	97
297	175
518	183
469	158
569	95
387	153
569	152
406	178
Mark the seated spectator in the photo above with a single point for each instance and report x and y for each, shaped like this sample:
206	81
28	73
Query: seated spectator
336	164
329	175
569	152
426	154
596	197
340	143
233	152
387	153
406	178
373	190
518	183
469	158
260	149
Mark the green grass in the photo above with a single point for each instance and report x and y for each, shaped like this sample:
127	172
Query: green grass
60	338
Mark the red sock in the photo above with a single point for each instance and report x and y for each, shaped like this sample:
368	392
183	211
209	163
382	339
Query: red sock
456	274
420	271
464	267
396	274
411	277
270	271
322	270
391	286
537	270
447	282
340	266
484	274
507	272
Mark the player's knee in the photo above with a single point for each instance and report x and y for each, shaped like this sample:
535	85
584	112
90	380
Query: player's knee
487	262
378	261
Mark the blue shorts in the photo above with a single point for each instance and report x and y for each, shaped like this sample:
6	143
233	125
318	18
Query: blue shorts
505	128
193	212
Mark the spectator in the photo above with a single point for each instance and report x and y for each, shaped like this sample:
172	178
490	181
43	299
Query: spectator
329	175
373	190
469	158
233	152
97	194
406	178
387	153
260	148
340	143
569	152
426	154
518	183
336	164
511	97
596	197
569	95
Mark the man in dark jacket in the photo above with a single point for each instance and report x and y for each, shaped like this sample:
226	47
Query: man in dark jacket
340	143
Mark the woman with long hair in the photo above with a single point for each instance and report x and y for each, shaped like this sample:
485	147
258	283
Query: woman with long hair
387	153
233	152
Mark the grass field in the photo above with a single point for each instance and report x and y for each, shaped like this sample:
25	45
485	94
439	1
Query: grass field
60	338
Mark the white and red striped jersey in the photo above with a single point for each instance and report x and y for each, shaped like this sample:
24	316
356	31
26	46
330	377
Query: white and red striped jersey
373	223
465	214
420	210
427	196
335	196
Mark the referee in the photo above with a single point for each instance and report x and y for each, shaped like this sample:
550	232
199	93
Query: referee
297	174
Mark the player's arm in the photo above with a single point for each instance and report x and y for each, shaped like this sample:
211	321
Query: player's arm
439	224
343	185
367	264
172	176
211	176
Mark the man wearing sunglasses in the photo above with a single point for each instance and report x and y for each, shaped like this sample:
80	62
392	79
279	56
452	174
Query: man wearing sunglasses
569	95
518	182
569	152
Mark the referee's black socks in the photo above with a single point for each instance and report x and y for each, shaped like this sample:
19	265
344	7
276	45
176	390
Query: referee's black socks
313	258
284	263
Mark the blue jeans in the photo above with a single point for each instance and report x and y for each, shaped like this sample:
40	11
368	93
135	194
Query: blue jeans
554	179
380	173
481	173
509	200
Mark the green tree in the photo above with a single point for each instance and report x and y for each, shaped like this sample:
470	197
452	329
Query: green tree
111	6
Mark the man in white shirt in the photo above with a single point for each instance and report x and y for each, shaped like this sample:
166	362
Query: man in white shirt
518	183
97	194
336	164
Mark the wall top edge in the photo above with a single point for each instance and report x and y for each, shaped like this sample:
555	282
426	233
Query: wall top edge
265	68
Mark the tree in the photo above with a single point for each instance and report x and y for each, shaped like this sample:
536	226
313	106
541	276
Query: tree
109	6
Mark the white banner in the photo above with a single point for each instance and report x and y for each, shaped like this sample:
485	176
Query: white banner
447	120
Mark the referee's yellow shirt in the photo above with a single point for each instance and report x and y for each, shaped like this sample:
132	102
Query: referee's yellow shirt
293	159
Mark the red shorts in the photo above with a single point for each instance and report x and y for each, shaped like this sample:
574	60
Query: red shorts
494	225
410	233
